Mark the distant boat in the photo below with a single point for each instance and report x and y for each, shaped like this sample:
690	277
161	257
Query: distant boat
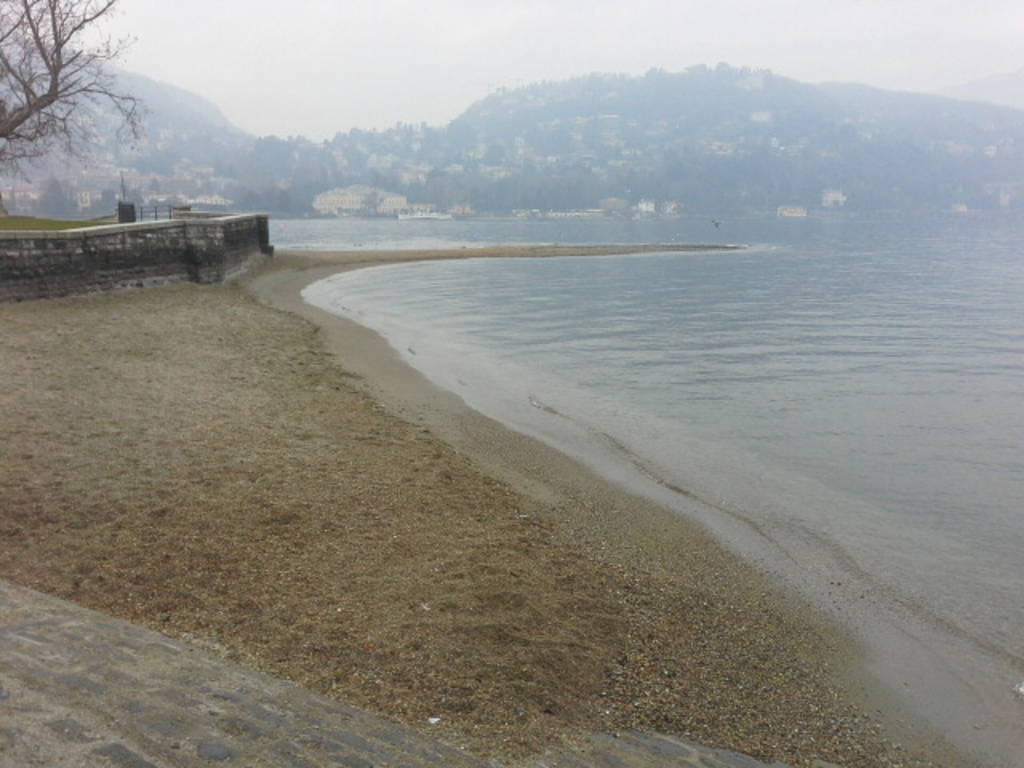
428	215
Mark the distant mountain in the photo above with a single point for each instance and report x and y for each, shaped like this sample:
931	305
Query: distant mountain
180	128
188	152
171	106
708	139
1006	89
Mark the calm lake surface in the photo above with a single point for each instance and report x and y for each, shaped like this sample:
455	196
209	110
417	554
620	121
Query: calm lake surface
845	397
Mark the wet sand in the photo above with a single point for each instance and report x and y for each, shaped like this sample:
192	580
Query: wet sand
280	487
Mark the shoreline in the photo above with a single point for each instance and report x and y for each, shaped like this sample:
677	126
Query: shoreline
273	483
528	464
924	669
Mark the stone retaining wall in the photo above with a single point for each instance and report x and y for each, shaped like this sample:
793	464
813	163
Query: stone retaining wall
40	265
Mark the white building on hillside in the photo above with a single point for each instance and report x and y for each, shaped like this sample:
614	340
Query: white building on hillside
354	199
392	204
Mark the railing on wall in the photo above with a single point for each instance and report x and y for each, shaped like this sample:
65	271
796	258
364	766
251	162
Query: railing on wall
130	213
158	212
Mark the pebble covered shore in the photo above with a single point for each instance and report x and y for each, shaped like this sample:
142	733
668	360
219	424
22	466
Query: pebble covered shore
191	460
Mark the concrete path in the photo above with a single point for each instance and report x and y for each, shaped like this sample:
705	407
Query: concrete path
79	689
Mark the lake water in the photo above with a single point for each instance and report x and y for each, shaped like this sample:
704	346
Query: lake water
845	397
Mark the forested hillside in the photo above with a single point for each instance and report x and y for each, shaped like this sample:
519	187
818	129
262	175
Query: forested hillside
706	140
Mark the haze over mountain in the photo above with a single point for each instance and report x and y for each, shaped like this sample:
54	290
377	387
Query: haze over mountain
317	67
711	140
169	105
1006	89
178	127
736	138
184	143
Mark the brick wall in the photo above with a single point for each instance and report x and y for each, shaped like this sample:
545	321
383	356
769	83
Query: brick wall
39	265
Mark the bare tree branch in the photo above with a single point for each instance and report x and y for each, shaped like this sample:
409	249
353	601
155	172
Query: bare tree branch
49	72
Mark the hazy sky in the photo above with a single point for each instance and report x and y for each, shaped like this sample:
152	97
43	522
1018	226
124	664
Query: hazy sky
314	67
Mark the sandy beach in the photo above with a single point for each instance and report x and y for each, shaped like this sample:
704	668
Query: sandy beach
229	465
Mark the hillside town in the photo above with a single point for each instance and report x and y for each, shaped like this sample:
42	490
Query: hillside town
628	147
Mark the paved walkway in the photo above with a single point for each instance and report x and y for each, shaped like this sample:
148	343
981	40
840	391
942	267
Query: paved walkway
79	689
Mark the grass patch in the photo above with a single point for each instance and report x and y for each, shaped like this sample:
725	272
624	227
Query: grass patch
30	223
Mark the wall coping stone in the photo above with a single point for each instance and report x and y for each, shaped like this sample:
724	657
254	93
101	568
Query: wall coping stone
113	229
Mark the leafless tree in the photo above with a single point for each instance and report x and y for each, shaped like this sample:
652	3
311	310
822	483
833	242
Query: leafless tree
54	62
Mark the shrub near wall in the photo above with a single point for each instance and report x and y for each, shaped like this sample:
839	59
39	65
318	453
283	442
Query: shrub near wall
39	265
